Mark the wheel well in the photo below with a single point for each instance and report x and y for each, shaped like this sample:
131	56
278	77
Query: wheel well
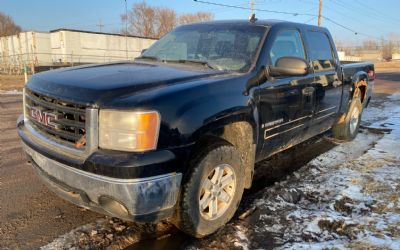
239	135
360	90
363	92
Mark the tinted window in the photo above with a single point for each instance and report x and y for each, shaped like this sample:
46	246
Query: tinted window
225	47
320	51
287	43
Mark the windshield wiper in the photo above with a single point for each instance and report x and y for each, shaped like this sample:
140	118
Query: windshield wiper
153	58
205	63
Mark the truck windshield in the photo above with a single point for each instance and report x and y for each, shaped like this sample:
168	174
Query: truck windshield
222	47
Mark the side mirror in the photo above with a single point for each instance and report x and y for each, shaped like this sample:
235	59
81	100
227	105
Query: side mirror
143	50
289	66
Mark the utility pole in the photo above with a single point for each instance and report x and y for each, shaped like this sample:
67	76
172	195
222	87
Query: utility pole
100	25
126	28
251	7
319	13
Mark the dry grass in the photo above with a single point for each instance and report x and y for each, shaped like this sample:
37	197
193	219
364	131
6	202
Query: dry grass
12	82
387	65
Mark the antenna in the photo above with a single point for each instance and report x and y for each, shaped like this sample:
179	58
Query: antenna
253	18
126	29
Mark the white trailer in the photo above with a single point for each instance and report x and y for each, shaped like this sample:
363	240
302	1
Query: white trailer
66	47
79	47
26	48
343	57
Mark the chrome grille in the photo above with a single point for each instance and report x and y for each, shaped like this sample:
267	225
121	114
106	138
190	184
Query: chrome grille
68	119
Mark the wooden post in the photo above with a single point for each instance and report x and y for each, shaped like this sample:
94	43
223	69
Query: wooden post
32	68
319	13
252	7
25	73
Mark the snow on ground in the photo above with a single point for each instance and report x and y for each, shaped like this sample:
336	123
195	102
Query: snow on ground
10	92
348	197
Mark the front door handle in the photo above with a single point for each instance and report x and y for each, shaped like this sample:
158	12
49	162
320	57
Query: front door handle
336	83
308	91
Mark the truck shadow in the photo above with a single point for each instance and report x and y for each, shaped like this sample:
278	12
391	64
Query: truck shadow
267	172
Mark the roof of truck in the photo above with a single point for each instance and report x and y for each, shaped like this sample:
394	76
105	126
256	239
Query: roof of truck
264	22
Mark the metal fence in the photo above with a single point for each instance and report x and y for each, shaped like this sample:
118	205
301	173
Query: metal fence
19	63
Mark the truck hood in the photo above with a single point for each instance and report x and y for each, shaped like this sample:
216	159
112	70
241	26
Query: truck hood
94	83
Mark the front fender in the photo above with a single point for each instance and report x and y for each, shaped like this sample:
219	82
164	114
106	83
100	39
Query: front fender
190	109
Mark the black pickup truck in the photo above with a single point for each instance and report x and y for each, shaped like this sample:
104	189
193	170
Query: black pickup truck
176	133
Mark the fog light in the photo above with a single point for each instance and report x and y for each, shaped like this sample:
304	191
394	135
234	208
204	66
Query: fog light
113	207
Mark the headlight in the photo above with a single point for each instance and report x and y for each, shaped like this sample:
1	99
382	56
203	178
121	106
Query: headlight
134	131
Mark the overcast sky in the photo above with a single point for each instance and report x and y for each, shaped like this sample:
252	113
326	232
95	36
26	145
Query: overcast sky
371	18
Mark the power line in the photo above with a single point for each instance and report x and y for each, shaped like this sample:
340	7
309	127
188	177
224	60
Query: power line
374	12
309	20
100	25
365	15
255	9
290	13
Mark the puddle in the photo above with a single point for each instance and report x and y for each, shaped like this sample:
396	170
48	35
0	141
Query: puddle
175	240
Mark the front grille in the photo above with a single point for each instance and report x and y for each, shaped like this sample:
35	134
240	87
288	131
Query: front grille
67	119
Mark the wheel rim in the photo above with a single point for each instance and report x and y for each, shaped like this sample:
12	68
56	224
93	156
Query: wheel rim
355	116
217	191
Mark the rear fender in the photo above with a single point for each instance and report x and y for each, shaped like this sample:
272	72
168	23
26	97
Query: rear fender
359	86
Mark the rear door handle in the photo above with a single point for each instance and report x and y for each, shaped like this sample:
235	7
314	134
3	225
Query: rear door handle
308	91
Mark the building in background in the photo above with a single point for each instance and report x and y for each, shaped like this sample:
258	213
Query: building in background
396	56
343	57
66	47
370	55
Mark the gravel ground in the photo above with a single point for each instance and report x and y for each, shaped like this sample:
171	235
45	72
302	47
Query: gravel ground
30	215
336	199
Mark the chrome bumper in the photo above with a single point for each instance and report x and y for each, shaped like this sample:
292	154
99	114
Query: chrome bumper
143	199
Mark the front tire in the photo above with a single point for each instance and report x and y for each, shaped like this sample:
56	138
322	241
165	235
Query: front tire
212	192
348	129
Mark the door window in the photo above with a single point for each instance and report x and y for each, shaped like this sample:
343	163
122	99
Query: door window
287	43
320	51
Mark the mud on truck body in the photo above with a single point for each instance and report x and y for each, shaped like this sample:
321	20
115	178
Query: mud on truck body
176	133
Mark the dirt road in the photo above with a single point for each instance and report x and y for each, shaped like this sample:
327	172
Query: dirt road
31	216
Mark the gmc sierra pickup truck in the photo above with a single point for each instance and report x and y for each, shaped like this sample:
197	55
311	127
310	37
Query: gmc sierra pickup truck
176	133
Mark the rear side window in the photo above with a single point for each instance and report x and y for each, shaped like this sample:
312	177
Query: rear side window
320	51
287	43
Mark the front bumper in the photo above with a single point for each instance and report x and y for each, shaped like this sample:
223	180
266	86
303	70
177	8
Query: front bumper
144	199
147	199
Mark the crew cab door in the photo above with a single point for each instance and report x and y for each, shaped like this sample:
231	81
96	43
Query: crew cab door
327	81
286	104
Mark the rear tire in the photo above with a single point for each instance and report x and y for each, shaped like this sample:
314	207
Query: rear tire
348	129
212	192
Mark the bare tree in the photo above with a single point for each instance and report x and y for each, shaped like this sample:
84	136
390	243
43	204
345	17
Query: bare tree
141	20
166	20
7	25
195	17
370	45
387	50
145	20
395	39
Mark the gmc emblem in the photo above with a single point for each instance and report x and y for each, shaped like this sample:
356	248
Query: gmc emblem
43	117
